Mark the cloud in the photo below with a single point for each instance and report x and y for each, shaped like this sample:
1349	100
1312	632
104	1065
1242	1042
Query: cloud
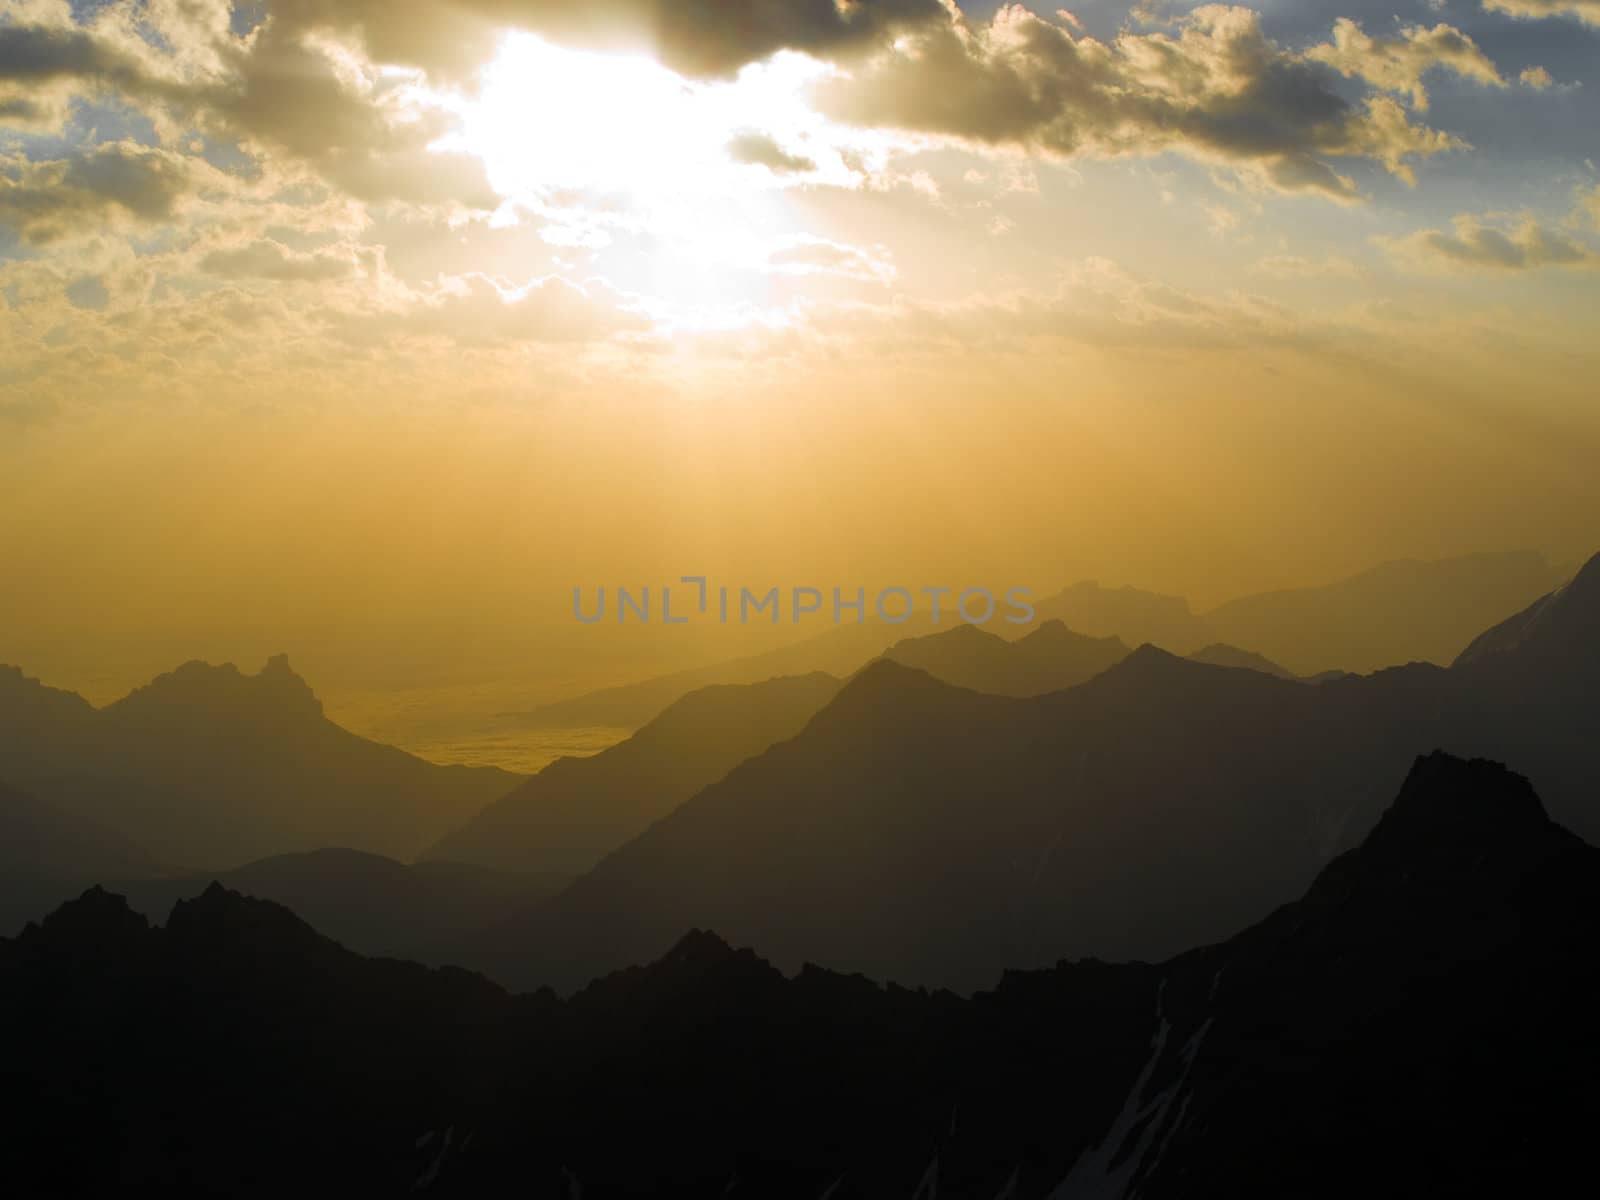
1292	266
1475	244
1397	64
109	184
818	256
1094	302
1220	91
1587	11
1537	78
291	88
758	149
270	260
478	310
705	38
702	38
1589	203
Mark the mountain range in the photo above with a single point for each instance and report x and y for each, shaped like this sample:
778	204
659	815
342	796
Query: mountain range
1418	1021
577	810
924	832
1393	614
209	768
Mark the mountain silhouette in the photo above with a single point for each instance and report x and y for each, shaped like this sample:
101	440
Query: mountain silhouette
1049	658
1129	613
918	831
47	855
837	651
1395	613
369	903
577	810
1220	654
1416	1022
208	767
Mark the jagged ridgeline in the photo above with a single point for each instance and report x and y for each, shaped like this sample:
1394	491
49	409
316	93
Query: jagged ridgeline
1418	1023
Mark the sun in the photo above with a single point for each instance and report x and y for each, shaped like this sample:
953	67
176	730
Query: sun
628	143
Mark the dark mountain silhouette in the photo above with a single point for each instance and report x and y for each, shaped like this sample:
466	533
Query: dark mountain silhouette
1396	1029
1048	659
47	856
577	810
209	767
1419	1022
371	904
1220	654
1395	613
934	835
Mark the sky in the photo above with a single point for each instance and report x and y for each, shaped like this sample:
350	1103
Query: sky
381	325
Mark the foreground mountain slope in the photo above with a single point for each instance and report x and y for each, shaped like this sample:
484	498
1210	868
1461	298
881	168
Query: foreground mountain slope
1431	993
209	767
1419	1022
577	810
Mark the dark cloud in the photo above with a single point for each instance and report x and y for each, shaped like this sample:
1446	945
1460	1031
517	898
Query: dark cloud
270	260
1475	244
88	292
1218	88
694	37
760	150
42	201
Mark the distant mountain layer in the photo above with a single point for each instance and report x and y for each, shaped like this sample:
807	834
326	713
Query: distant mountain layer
928	833
206	767
1419	1022
577	810
1220	654
1391	615
1048	659
838	651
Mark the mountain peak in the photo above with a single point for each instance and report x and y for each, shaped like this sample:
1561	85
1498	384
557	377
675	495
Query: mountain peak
274	690
698	948
97	918
224	918
1558	626
1450	799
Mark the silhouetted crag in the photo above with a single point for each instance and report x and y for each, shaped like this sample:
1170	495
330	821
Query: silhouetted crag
1419	1023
